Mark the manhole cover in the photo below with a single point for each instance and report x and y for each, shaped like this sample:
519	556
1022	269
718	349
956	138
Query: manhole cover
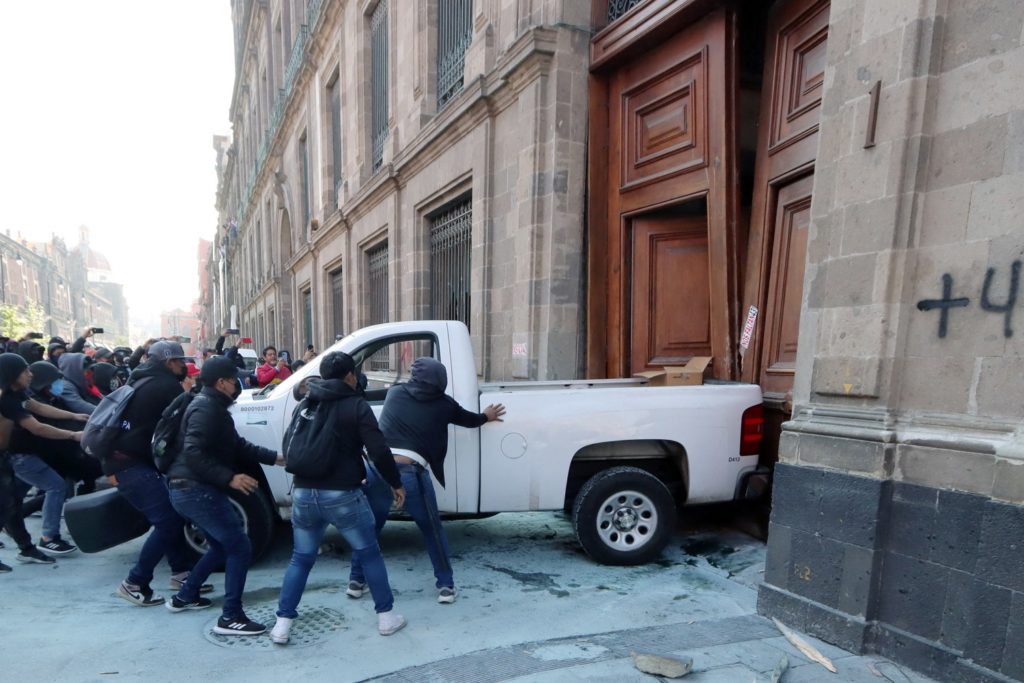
314	625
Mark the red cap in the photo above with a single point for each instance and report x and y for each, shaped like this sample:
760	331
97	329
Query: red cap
192	369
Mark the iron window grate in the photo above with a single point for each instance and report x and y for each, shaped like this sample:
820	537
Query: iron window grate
454	34
617	8
377	278
379	80
451	238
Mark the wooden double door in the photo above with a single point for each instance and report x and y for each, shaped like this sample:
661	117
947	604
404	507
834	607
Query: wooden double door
678	253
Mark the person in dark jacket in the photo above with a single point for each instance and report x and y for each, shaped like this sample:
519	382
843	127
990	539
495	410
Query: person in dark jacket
130	467
415	423
337	497
64	457
55	349
204	470
80	394
31	351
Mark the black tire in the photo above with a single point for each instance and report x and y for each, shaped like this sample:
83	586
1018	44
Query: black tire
257	518
624	516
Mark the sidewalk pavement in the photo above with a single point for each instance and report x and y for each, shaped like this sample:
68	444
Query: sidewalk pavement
531	607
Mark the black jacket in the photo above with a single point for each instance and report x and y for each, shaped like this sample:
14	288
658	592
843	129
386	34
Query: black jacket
416	415
212	452
151	396
354	426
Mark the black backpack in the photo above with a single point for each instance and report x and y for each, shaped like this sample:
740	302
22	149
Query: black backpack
166	441
106	422
307	442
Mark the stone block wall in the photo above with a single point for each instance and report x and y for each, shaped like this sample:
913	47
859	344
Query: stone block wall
903	468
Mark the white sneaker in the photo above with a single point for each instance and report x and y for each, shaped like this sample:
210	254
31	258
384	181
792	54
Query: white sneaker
446	595
389	622
281	629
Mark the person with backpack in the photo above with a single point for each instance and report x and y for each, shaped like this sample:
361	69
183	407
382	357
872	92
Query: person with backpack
130	467
415	423
28	437
205	468
324	451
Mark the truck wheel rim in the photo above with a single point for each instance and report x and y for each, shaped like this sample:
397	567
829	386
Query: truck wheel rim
626	520
196	537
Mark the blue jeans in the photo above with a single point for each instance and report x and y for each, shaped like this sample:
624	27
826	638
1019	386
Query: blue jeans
210	509
146	490
34	472
421	504
349	512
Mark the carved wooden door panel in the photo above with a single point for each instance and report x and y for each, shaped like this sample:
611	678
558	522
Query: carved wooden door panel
671	301
671	210
797	34
785	285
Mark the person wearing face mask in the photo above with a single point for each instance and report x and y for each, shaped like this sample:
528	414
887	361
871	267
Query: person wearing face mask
130	467
208	465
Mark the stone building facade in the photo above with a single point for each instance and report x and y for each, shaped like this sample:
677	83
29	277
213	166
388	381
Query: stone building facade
897	520
397	160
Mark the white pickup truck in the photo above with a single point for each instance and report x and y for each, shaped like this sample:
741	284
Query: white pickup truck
617	453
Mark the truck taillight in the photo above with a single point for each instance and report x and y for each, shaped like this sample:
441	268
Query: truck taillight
752	430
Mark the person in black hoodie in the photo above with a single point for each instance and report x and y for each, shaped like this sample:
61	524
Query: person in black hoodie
337	497
415	423
31	351
204	470
80	394
130	467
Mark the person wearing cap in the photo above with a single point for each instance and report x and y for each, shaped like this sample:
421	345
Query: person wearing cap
207	467
27	436
192	374
337	497
415	421
130	467
56	347
31	351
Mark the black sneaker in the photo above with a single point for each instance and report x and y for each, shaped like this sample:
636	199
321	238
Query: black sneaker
4	569
139	595
238	626
32	555
56	546
176	605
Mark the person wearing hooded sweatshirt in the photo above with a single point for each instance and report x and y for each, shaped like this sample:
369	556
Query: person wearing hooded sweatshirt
208	464
31	351
130	467
80	394
415	423
19	408
337	497
65	457
55	350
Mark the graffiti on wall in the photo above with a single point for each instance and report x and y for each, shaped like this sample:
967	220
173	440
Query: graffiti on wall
1004	306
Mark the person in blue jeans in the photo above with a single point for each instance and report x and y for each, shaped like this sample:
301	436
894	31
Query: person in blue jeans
28	437
130	467
328	490
206	467
415	423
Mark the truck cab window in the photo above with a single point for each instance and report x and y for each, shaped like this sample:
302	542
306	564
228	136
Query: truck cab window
386	362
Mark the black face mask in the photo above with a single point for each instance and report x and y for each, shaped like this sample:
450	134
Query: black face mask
182	374
238	390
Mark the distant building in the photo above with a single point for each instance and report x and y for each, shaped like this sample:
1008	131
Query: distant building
182	323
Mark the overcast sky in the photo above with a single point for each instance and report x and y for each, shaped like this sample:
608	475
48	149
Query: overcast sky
108	113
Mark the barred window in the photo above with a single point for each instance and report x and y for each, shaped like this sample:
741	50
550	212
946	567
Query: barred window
377	311
379	80
307	316
450	262
334	97
617	8
304	161
454	34
338	301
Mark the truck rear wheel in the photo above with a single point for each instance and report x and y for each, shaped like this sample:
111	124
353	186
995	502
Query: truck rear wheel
257	519
623	516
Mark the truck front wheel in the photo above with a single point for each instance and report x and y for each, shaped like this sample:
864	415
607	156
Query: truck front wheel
257	517
623	516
